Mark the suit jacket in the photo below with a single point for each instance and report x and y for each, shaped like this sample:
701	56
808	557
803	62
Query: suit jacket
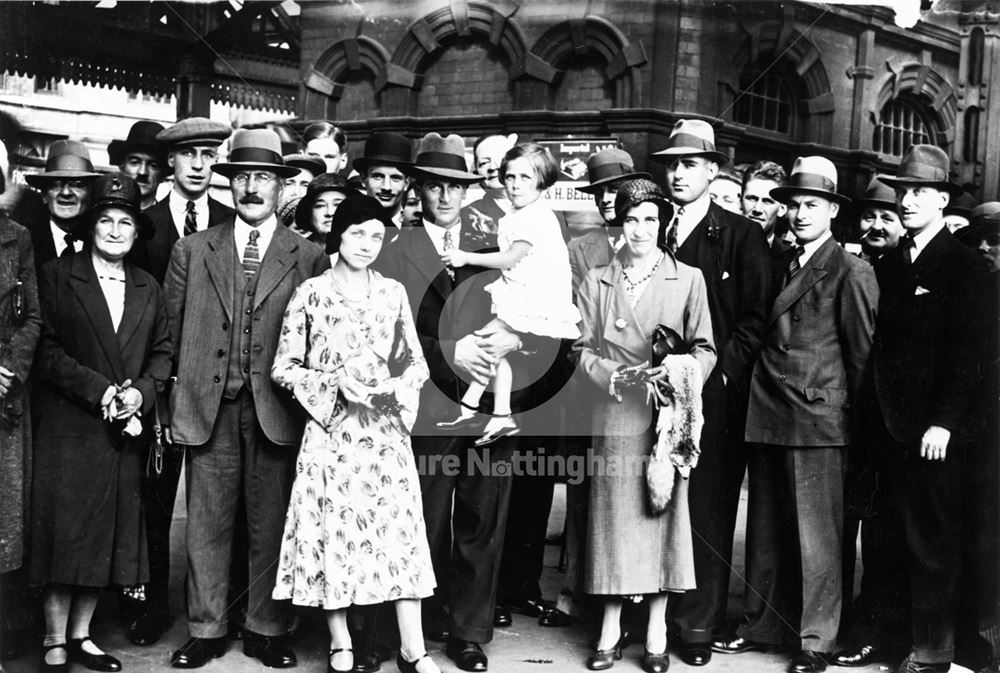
816	349
200	305
153	254
42	245
928	338
737	273
588	251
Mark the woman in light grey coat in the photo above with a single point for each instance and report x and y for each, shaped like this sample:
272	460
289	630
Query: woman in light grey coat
632	551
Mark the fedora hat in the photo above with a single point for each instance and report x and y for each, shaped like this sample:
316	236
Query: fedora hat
607	166
439	157
117	190
811	175
306	162
141	138
385	149
255	150
194	131
925	165
962	205
878	195
327	182
690	137
67	160
984	220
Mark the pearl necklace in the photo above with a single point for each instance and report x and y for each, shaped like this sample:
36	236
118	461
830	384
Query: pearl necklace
631	285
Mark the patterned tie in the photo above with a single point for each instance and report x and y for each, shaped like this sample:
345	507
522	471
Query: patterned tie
672	230
448	244
251	255
907	245
794	265
190	219
70	248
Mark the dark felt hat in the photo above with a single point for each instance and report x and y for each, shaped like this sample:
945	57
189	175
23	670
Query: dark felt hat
67	160
962	205
608	166
194	131
255	150
385	149
878	195
690	137
984	220
355	209
117	190
924	165
141	138
327	182
811	175
439	157
306	162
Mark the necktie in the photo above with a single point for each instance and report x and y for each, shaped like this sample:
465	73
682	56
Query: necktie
70	248
794	265
448	244
907	245
251	255
672	230
190	219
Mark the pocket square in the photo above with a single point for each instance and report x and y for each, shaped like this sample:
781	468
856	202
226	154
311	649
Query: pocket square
920	290
725	275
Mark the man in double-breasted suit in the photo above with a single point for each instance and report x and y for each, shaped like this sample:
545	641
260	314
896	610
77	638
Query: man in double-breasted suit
732	255
227	288
925	370
817	343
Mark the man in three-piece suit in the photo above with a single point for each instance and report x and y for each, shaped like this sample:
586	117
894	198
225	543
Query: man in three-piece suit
732	254
926	351
192	147
226	291
800	419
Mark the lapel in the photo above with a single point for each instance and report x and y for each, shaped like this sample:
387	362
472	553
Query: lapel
700	251
810	274
42	243
929	262
83	281
419	252
7	232
217	212
220	262
137	291
278	261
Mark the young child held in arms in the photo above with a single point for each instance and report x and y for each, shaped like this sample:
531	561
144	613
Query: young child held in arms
534	292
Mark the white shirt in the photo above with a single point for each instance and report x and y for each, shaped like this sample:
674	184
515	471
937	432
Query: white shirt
693	214
178	211
242	235
436	234
921	240
59	238
808	249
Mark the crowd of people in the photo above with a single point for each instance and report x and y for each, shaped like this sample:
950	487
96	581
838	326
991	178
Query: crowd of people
302	353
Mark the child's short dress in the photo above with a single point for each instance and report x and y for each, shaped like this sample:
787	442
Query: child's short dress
535	296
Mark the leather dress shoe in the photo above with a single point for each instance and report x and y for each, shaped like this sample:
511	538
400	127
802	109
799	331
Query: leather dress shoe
145	628
739	645
602	660
656	663
807	661
272	651
695	654
854	657
95	662
197	652
370	659
546	611
910	666
467	655
501	616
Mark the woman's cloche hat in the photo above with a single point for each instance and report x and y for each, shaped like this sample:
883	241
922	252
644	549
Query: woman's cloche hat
327	182
811	175
690	137
67	160
607	166
255	150
633	192
924	165
117	190
443	157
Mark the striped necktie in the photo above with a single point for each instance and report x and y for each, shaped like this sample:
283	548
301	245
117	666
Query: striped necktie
672	230
251	255
190	219
794	265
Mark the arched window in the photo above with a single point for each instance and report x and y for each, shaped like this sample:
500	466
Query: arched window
766	102
904	121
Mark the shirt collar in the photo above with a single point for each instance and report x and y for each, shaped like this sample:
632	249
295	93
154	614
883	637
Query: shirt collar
810	248
695	211
437	232
266	229
179	202
921	239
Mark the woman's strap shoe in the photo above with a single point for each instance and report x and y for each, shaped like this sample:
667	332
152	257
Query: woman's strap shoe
53	668
95	662
329	665
602	660
408	666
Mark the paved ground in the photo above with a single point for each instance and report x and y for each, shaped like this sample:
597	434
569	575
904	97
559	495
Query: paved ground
523	648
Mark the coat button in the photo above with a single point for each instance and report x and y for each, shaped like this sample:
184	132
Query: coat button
620	323
781	377
217	378
796	317
225	326
220	352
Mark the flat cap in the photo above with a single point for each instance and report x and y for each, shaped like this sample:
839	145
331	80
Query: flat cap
194	131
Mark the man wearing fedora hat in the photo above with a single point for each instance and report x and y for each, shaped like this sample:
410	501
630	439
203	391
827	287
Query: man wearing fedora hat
65	187
926	352
383	167
731	253
226	289
879	222
141	158
805	382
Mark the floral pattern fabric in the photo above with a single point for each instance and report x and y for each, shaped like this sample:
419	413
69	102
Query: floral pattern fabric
354	533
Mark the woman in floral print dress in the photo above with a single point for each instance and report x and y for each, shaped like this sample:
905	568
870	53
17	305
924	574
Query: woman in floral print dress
350	356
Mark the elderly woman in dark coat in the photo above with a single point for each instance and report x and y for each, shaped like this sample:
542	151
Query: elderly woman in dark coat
632	551
104	354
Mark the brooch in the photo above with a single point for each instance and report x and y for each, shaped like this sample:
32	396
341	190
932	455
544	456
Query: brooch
620	323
